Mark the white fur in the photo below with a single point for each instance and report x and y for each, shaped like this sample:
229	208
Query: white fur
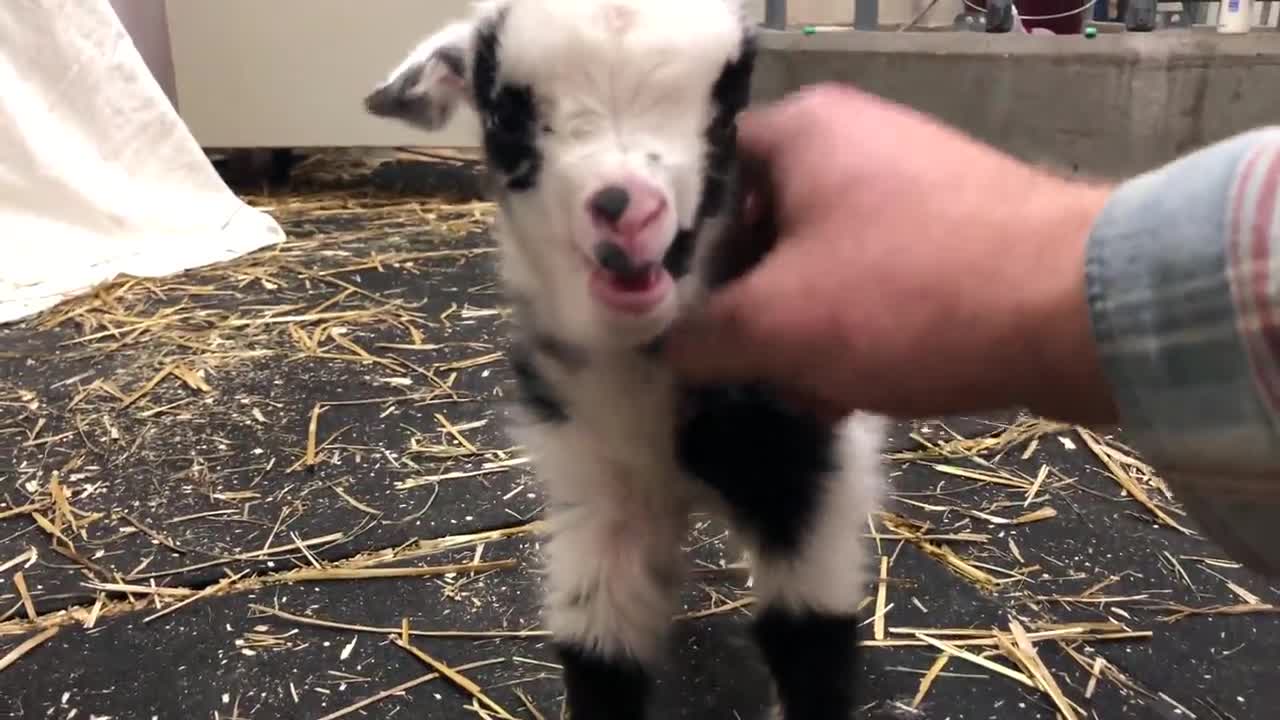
619	506
619	81
612	101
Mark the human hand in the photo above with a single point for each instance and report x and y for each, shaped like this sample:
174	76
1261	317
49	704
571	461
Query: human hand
918	272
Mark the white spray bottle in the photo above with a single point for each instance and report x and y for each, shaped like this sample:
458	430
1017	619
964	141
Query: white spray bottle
1235	17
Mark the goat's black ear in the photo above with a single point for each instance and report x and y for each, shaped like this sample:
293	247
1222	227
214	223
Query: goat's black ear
425	89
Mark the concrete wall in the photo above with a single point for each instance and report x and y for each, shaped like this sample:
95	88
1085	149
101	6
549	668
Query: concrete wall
943	12
1115	105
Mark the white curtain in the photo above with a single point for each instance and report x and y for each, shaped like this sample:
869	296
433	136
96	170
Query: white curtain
98	174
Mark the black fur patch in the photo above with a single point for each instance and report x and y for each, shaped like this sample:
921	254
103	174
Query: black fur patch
507	112
600	689
813	659
742	246
679	255
534	392
653	349
729	96
766	460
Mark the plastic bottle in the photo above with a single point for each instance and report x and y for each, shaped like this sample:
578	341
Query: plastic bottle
1235	17
1000	16
1141	16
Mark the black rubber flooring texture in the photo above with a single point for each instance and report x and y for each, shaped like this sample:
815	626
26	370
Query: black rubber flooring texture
381	310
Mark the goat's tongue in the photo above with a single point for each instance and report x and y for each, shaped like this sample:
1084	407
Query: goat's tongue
623	273
634	292
637	280
623	284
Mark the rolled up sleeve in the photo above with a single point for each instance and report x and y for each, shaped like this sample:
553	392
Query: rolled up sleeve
1183	275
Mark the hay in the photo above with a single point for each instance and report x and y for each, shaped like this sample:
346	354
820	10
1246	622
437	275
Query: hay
27	646
453	675
1126	479
401	689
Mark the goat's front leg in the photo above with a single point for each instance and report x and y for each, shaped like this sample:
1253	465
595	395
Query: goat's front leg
808	593
614	565
800	492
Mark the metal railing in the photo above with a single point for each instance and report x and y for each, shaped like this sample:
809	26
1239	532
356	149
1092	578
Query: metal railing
866	13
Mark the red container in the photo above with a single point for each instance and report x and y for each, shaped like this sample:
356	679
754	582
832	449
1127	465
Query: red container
1063	17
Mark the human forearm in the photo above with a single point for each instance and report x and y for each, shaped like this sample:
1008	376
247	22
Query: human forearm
1063	376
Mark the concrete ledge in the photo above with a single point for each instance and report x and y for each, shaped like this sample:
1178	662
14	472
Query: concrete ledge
1114	105
1197	42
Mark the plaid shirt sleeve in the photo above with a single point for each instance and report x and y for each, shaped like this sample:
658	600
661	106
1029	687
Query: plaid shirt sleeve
1183	275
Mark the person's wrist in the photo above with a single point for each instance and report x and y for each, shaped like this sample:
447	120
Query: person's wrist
1069	382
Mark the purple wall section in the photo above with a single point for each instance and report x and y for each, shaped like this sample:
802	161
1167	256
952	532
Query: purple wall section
148	26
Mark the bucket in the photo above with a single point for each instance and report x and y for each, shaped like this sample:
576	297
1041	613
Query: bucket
1062	17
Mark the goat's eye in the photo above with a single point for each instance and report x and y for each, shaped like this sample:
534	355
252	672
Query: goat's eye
547	129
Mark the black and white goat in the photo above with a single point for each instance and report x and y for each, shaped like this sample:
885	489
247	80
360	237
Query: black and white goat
609	131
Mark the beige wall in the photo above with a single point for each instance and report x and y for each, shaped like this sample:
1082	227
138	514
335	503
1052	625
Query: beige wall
292	73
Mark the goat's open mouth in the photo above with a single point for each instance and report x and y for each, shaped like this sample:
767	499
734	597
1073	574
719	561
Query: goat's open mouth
635	292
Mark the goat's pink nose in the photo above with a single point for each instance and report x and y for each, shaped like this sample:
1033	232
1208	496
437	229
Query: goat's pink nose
626	209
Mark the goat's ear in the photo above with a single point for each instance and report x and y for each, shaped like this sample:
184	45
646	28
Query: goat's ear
425	89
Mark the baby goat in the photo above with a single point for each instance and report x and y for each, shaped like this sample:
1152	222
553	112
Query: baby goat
609	133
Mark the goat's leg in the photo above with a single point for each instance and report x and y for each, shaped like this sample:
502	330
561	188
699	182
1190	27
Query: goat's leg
799	492
806	626
614	565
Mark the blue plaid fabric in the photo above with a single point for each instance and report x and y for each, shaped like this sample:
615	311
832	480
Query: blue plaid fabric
1183	275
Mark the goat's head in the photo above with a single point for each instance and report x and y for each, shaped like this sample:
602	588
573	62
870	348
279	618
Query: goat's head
608	127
